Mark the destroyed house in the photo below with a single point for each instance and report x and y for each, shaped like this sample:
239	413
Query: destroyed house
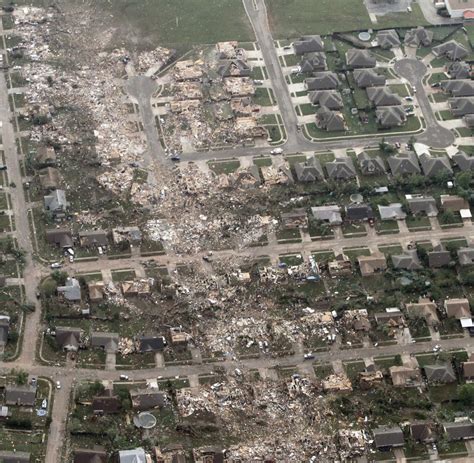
459	70
341	169
435	165
341	265
464	161
372	264
404	163
96	290
442	373
297	218
370	165
227	50
56	203
234	68
368	78
390	116
458	308
68	338
151	343
14	457
60	237
330	99
328	214
459	87
461	106
126	234
332	121
386	438
147	399
93	238
312	63
308	44
71	291
459	431
322	81
418	37
90	456
388	38
359	212
407	261
423	206
382	96
106	404
309	171
137	455
49	178
20	395
403	376
45	156
107	341
391	317
466	256
452	50
357	59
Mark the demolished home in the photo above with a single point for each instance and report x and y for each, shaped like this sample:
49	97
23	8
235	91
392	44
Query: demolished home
372	264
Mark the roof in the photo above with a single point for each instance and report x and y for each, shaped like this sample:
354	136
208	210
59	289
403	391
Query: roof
464	161
462	105
388	38
452	50
233	68
332	121
147	399
435	165
106	404
359	212
14	457
390	116
459	70
71	291
49	178
458	308
152	343
439	258
423	308
45	155
453	203
96	290
356	58
425	205
392	211
90	456
61	237
368	78
309	171
388	437
132	456
418	37
440	373
93	238
108	341
371	165
405	376
468	368
331	214
341	168
371	264
68	338
331	99
466	256
458	431
407	261
458	87
326	80
422	431
308	44
313	62
382	96
404	163
56	201
20	395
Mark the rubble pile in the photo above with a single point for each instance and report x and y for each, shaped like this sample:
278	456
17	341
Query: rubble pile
155	59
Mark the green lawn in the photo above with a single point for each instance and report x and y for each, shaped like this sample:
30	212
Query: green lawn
224	167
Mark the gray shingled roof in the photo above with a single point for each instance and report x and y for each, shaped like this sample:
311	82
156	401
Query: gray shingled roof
308	44
459	70
462	106
68	338
466	256
383	96
309	171
388	437
331	214
464	161
459	87
325	80
332	121
331	99
71	290
432	165
452	50
341	168
313	62
56	201
418	37
404	163
425	205
108	341
407	261
356	58
392	211
459	431
440	373
371	165
390	116
388	39
368	78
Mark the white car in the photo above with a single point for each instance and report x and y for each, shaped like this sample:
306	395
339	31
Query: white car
101	251
71	259
123	377
56	265
58	384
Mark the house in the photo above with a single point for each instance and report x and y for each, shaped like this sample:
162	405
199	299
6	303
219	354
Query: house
14	457
422	431
439	257
322	81
418	37
425	205
368	78
386	438
424	308
90	456
359	212
452	50
457	9
393	211
151	343
106	404
466	256
459	70
459	431
126	234
93	238
107	341
60	237
312	63
56	203
457	308
96	290
382	96
68	338
49	178
357	59
464	161
341	265
330	99
147	399
309	171
391	317
308	44
440	373
341	169
297	218
4	329
71	291
328	214
404	163
332	121
371	165
461	106
139	288
20	395
390	116
403	376
372	264
453	203
137	455
407	261
468	369
45	156
387	39
435	165
459	87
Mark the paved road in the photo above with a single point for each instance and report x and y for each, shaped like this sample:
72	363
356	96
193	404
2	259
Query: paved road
429	12
435	135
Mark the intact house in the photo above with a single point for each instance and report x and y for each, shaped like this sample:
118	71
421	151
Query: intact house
404	163
464	161
461	106
357	59
359	212
440	373
309	171
60	237
147	399
4	329
368	78
459	9
56	204
453	203
327	80
341	169
439	257
424	308
372	264
68	339
137	455
24	396
390	116
328	214
313	62
458	88
107	341
418	37
407	261
71	291
466	256
330	99
387	39
382	96
151	343
308	44
371	165
15	457
457	308
468	369
422	206
459	70
387	438
452	50
435	165
459	431
97	455
331	121
393	211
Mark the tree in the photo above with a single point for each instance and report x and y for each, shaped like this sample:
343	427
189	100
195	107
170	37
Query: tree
463	179
59	277
469	279
21	377
466	394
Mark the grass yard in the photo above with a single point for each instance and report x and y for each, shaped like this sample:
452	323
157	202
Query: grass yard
224	167
403	19
262	162
123	275
262	96
291	259
418	223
